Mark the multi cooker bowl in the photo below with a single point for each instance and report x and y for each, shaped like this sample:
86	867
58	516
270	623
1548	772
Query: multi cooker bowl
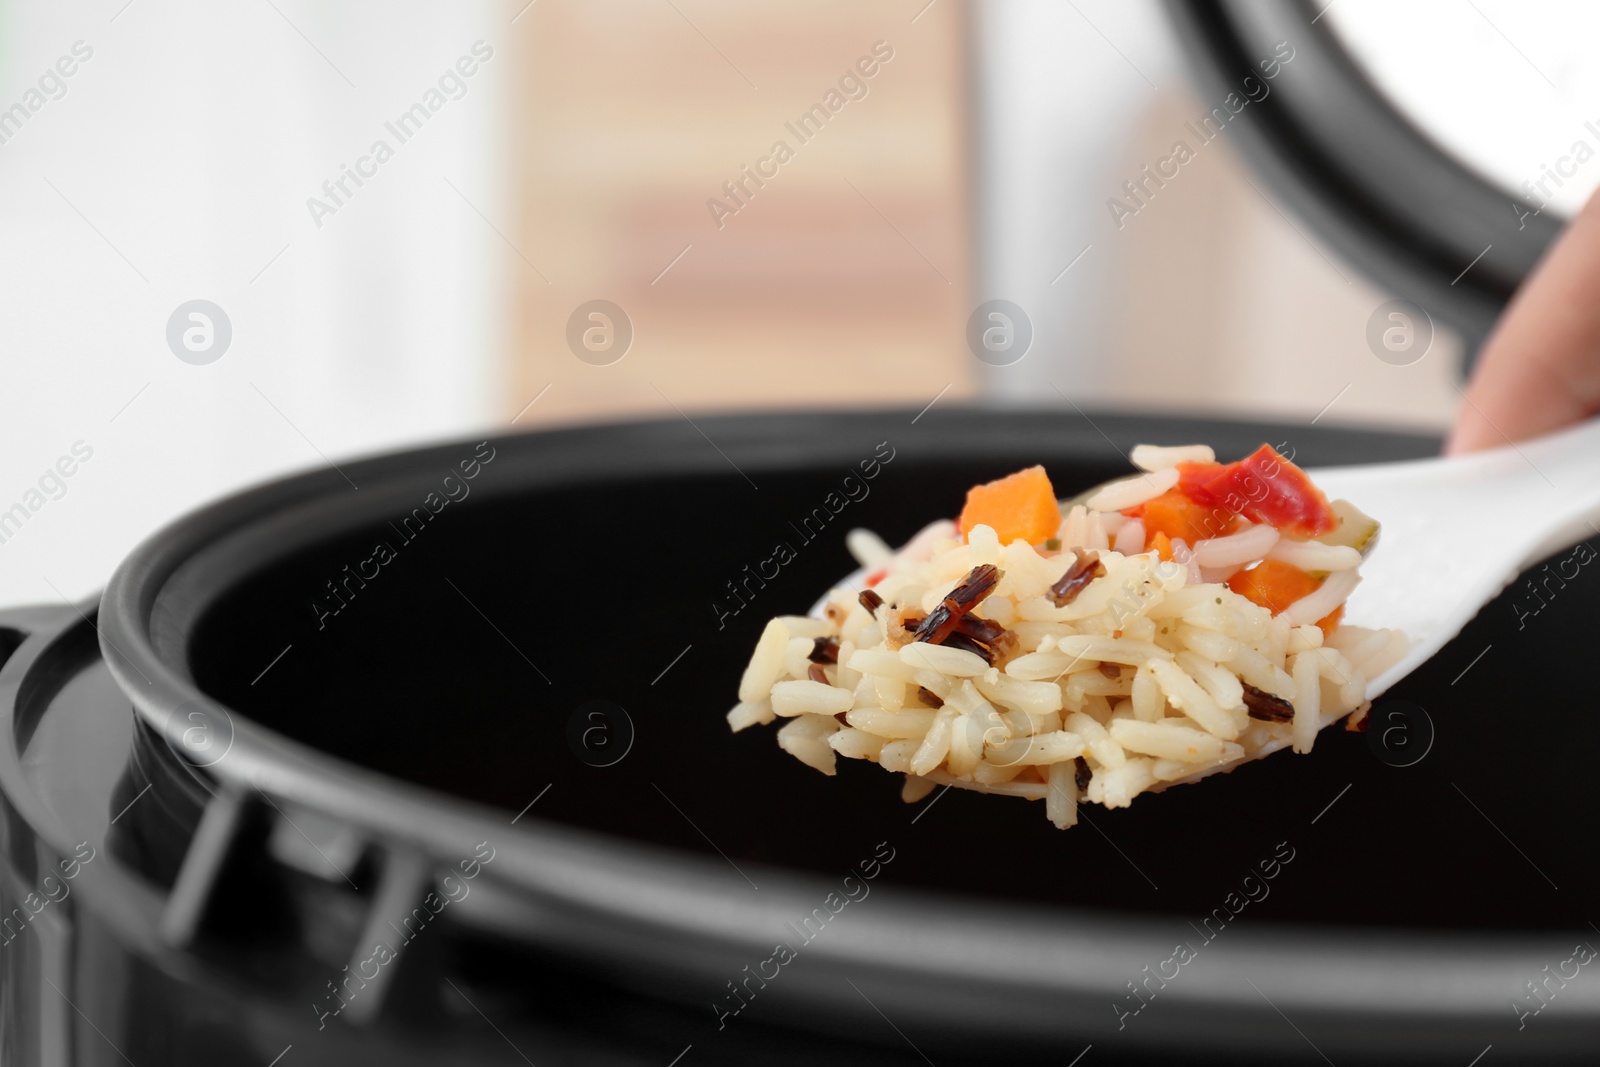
423	759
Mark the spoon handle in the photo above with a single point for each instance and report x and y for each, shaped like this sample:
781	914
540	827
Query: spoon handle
1530	499
1565	470
1457	530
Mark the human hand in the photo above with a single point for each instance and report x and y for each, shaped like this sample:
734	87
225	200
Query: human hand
1540	367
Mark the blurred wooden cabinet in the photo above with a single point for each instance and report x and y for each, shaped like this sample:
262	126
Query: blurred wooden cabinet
832	135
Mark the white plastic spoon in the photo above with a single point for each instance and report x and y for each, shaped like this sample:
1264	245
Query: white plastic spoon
1458	530
1455	532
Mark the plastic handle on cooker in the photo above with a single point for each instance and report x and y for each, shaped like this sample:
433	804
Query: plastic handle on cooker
209	852
404	882
235	823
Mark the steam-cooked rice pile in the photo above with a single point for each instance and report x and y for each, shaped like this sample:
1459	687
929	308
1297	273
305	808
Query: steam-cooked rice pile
1063	674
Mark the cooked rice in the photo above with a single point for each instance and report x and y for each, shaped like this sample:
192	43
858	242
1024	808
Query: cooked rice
1160	458
1133	491
1140	678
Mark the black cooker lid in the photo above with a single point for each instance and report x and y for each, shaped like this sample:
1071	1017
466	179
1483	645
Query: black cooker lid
1364	177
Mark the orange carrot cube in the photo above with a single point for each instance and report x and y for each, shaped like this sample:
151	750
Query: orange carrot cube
1020	506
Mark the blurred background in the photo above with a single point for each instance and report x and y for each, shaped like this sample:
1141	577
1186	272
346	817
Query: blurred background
395	215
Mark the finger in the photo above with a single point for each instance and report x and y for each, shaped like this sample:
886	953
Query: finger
1540	367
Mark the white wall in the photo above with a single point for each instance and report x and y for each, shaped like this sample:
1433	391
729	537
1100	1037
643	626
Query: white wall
1214	299
187	146
1061	87
1507	87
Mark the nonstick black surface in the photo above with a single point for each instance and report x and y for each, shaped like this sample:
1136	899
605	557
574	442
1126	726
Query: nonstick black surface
461	665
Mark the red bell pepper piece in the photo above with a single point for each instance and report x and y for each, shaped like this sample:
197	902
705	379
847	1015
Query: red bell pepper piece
1263	487
1192	479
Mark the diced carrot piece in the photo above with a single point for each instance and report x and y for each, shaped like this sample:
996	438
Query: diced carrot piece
1018	507
1177	516
1161	545
1273	584
1330	621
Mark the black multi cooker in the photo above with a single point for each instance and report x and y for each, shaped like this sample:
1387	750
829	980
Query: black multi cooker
404	764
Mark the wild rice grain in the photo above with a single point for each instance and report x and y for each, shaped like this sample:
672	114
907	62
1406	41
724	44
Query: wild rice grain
1085	569
1265	706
